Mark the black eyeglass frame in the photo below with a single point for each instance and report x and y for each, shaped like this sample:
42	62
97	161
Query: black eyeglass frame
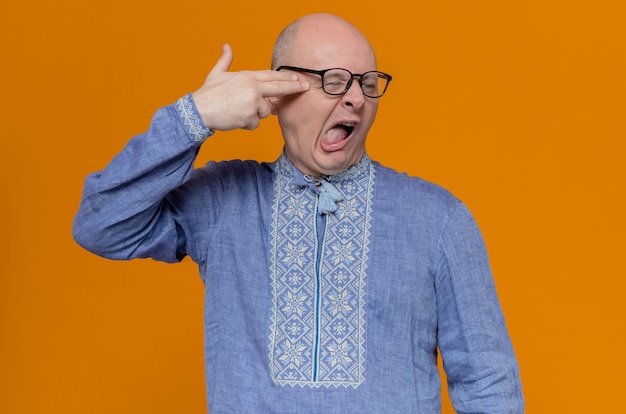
349	84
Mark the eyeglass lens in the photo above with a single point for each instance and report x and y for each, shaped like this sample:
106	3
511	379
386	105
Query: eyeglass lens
336	82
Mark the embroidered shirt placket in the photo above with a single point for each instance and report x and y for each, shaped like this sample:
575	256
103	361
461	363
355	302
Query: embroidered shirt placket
320	231
318	278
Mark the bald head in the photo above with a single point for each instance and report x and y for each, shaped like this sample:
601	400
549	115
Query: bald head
311	34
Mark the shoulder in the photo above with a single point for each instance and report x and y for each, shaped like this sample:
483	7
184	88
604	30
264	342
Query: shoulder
234	169
411	190
218	179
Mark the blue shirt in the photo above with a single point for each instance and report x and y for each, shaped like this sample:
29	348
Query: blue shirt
333	295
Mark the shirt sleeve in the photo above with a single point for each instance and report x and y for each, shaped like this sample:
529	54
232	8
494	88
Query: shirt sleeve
124	212
478	357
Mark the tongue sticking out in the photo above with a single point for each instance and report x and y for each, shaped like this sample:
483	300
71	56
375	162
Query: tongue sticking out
335	135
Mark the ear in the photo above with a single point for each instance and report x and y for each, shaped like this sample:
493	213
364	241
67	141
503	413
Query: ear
273	102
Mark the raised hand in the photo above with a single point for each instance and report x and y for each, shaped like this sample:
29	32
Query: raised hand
230	100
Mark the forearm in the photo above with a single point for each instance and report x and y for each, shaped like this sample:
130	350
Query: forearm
123	212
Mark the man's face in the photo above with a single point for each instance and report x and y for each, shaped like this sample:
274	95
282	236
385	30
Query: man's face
326	134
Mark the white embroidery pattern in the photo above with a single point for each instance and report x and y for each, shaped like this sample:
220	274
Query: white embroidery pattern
318	321
194	124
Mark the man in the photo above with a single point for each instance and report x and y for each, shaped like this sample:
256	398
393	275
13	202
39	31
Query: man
331	281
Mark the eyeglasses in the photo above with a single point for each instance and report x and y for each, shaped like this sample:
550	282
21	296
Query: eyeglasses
338	81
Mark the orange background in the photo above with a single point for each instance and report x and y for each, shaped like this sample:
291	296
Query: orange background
517	107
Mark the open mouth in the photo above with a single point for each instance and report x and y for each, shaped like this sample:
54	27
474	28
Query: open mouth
338	133
347	126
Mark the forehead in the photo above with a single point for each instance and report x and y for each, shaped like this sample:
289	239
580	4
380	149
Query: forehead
327	45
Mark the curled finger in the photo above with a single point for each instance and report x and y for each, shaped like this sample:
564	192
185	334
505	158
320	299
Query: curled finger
264	110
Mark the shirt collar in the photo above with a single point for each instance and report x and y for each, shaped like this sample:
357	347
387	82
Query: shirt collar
325	185
286	168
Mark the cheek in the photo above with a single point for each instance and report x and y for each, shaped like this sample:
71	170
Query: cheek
370	116
303	121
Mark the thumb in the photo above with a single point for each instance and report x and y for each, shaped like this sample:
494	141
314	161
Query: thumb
224	62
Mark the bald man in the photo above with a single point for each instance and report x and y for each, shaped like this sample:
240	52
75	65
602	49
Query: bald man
331	282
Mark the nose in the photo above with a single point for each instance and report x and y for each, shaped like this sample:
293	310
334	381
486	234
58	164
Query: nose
353	97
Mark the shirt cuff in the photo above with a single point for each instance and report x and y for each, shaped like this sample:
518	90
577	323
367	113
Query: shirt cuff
191	118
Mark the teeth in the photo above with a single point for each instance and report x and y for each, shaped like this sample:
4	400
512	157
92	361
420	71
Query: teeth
348	124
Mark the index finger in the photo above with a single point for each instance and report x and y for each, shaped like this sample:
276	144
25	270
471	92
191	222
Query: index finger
274	75
278	88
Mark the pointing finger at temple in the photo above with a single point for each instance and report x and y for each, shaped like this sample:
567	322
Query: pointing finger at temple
280	88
